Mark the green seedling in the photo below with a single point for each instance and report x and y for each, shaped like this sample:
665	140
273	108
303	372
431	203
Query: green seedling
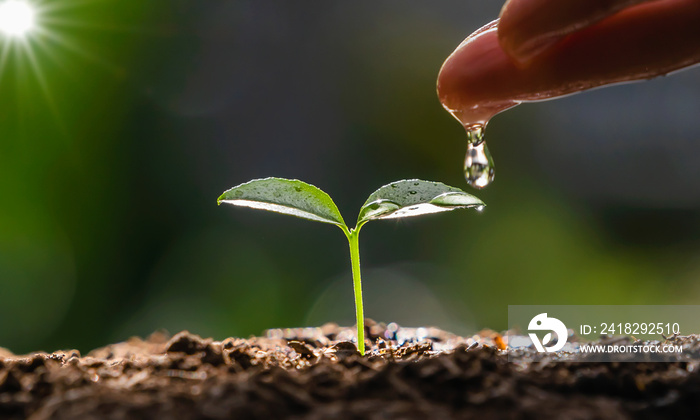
399	199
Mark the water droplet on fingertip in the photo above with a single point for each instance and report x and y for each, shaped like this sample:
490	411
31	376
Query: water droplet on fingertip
475	134
478	166
478	163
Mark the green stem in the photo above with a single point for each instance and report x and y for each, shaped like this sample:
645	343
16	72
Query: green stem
353	239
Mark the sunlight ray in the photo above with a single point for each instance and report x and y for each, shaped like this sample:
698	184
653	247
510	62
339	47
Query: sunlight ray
20	100
77	49
49	52
39	75
54	6
6	47
77	24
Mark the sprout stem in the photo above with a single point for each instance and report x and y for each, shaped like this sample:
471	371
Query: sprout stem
353	239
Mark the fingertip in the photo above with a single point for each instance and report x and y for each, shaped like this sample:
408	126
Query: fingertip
530	28
481	79
524	52
525	29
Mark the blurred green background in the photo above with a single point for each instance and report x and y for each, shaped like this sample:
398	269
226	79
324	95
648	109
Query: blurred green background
122	121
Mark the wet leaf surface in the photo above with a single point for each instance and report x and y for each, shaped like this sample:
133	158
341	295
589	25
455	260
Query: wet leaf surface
286	196
414	197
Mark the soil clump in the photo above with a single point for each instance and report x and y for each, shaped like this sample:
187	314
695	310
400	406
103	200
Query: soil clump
317	373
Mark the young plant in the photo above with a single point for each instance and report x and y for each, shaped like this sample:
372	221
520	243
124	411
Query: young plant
399	199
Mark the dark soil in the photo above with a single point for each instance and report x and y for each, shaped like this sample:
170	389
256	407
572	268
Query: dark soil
316	373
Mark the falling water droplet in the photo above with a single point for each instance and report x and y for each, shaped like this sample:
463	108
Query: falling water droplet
478	165
475	134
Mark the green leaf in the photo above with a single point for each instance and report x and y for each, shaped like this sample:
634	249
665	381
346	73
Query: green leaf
286	196
414	197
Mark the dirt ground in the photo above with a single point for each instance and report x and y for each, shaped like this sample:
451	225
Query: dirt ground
316	373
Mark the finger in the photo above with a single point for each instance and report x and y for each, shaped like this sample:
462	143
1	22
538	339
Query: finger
479	79
528	27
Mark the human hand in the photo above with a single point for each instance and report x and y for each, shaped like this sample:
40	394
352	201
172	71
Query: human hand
541	49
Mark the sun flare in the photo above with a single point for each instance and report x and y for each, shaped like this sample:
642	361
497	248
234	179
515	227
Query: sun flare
47	42
17	18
